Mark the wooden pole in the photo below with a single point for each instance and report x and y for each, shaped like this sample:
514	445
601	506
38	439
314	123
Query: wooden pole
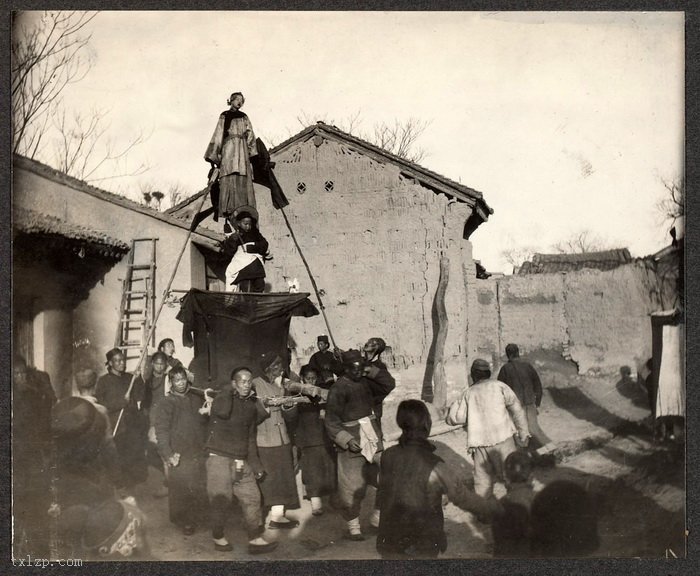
313	282
152	330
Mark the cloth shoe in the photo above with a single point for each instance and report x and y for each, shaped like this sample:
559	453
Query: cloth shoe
275	525
254	548
354	533
222	545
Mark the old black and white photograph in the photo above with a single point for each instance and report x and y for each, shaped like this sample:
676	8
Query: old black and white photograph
347	285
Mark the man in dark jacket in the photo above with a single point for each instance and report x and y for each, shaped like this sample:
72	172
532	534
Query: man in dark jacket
180	432
233	465
523	379
352	425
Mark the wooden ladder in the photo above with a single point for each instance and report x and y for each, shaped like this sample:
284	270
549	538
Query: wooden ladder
137	309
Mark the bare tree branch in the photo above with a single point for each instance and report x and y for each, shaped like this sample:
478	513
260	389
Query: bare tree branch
515	256
399	138
46	56
49	53
581	242
672	206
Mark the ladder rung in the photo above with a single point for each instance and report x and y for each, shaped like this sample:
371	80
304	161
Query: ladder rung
133	310
136	292
141	267
134	320
131	347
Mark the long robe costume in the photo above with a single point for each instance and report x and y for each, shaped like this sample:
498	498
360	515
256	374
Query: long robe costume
230	148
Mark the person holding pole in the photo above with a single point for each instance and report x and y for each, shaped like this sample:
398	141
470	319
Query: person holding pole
116	393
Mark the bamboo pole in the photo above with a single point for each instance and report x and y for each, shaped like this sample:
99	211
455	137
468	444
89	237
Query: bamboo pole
313	282
152	329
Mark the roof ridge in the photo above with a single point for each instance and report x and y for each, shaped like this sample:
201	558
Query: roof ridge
475	194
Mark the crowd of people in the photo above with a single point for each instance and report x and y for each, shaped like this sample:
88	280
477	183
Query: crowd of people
78	461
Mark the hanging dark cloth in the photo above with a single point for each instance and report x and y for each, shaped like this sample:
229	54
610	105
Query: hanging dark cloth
241	327
263	175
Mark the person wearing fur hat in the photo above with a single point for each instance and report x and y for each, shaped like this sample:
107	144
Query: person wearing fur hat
116	531
180	430
351	423
131	436
278	487
491	415
229	150
246	248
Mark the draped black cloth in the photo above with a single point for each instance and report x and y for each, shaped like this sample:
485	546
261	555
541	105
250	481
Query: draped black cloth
230	329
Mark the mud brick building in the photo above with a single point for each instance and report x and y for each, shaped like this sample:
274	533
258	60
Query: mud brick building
373	228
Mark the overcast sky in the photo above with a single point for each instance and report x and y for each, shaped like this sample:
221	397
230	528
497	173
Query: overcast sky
565	121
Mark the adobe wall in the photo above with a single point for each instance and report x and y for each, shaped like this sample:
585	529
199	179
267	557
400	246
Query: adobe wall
94	322
598	319
373	243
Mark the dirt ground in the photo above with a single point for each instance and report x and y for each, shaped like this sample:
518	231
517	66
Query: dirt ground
604	443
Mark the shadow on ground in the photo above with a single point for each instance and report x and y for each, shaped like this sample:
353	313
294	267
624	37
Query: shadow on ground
583	407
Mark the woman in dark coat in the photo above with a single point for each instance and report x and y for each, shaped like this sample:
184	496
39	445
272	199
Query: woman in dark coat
317	458
180	430
247	248
131	436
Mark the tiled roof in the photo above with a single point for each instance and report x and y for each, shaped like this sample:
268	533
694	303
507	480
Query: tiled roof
551	263
32	222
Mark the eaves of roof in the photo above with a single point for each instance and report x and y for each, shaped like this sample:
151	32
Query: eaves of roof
66	180
32	222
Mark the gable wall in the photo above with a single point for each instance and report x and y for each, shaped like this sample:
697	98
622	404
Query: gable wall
373	244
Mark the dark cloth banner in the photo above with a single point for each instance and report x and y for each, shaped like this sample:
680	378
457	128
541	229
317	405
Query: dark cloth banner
229	329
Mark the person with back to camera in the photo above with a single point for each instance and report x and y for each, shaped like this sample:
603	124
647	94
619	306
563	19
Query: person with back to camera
491	414
511	530
412	483
525	382
563	522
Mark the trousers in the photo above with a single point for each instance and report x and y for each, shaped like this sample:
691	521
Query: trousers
222	484
488	465
353	477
